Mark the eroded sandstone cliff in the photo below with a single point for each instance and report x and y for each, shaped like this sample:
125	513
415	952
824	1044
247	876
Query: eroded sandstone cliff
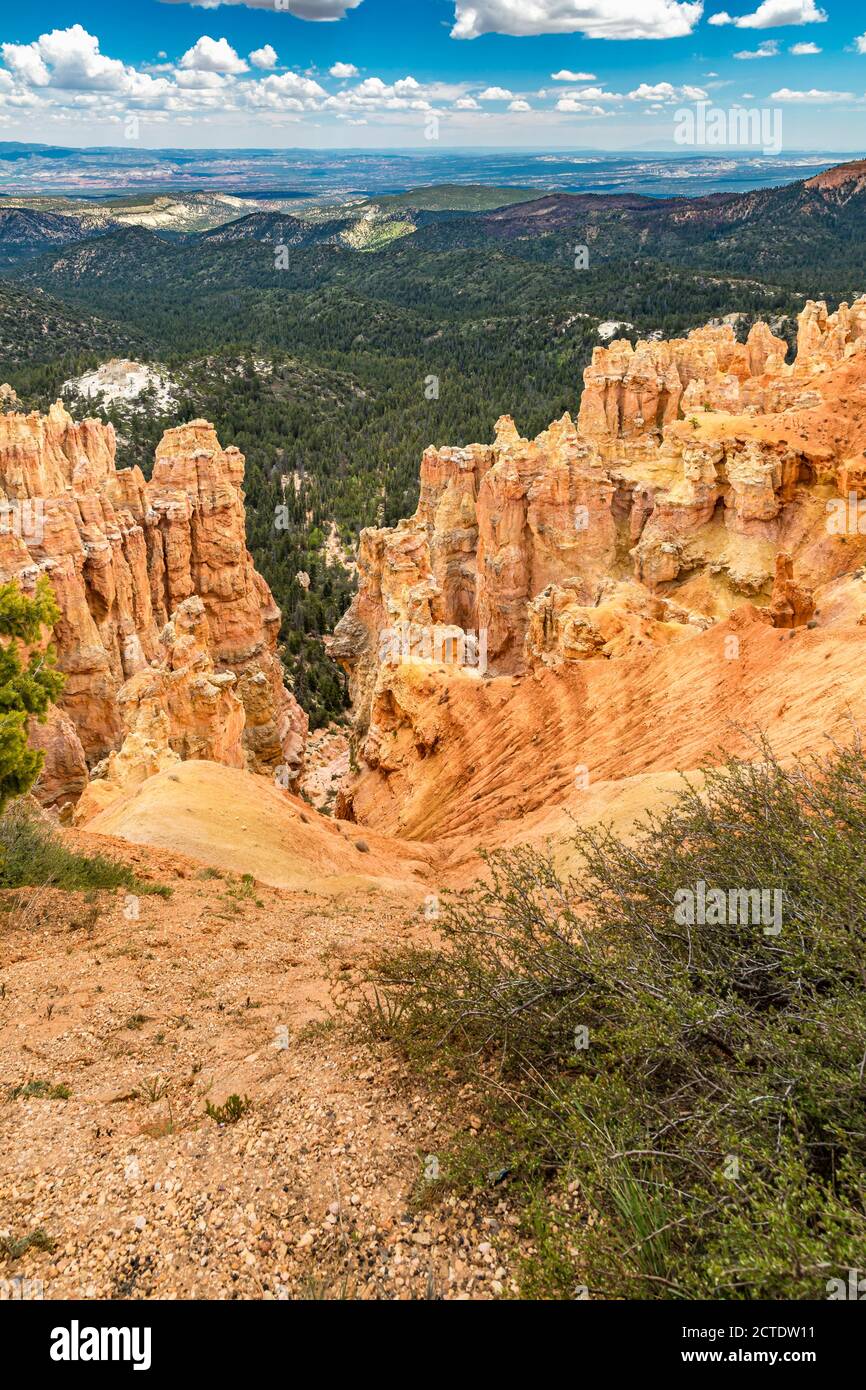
694	498
123	556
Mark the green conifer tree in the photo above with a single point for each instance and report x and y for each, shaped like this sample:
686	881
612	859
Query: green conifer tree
24	689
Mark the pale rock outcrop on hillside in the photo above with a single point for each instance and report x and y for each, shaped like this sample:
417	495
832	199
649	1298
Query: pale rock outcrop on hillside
792	604
625	618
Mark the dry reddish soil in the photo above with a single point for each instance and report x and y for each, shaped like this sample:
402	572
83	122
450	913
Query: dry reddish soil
225	988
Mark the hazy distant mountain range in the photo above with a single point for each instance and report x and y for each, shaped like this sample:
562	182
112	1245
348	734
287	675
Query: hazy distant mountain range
330	174
774	231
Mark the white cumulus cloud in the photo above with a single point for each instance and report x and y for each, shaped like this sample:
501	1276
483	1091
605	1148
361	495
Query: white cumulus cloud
67	58
343	70
565	76
768	49
813	95
69	61
25	60
193	81
595	94
322	10
666	91
313	9
264	57
595	19
655	91
406	94
213	55
288	86
772	14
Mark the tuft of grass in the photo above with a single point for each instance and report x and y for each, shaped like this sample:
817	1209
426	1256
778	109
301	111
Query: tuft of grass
152	1089
31	854
679	1106
242	890
316	1028
44	1090
13	1247
382	1015
329	1288
231	1112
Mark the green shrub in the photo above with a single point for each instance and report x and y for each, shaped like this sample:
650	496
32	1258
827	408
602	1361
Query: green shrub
28	1090
231	1112
32	854
25	689
682	1106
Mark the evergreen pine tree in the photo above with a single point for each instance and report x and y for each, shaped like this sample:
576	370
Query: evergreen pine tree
25	689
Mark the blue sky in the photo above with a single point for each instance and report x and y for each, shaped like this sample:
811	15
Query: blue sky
399	73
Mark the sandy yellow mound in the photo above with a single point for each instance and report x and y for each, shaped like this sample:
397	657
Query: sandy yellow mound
233	820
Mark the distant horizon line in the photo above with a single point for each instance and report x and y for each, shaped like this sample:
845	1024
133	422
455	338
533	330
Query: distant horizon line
676	152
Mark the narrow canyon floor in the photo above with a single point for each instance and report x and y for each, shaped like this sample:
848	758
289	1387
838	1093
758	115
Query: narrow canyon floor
224	988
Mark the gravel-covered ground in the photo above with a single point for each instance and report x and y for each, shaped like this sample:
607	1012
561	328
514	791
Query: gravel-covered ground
223	989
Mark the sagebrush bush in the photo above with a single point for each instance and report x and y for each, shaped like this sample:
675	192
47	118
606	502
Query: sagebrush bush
684	1104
